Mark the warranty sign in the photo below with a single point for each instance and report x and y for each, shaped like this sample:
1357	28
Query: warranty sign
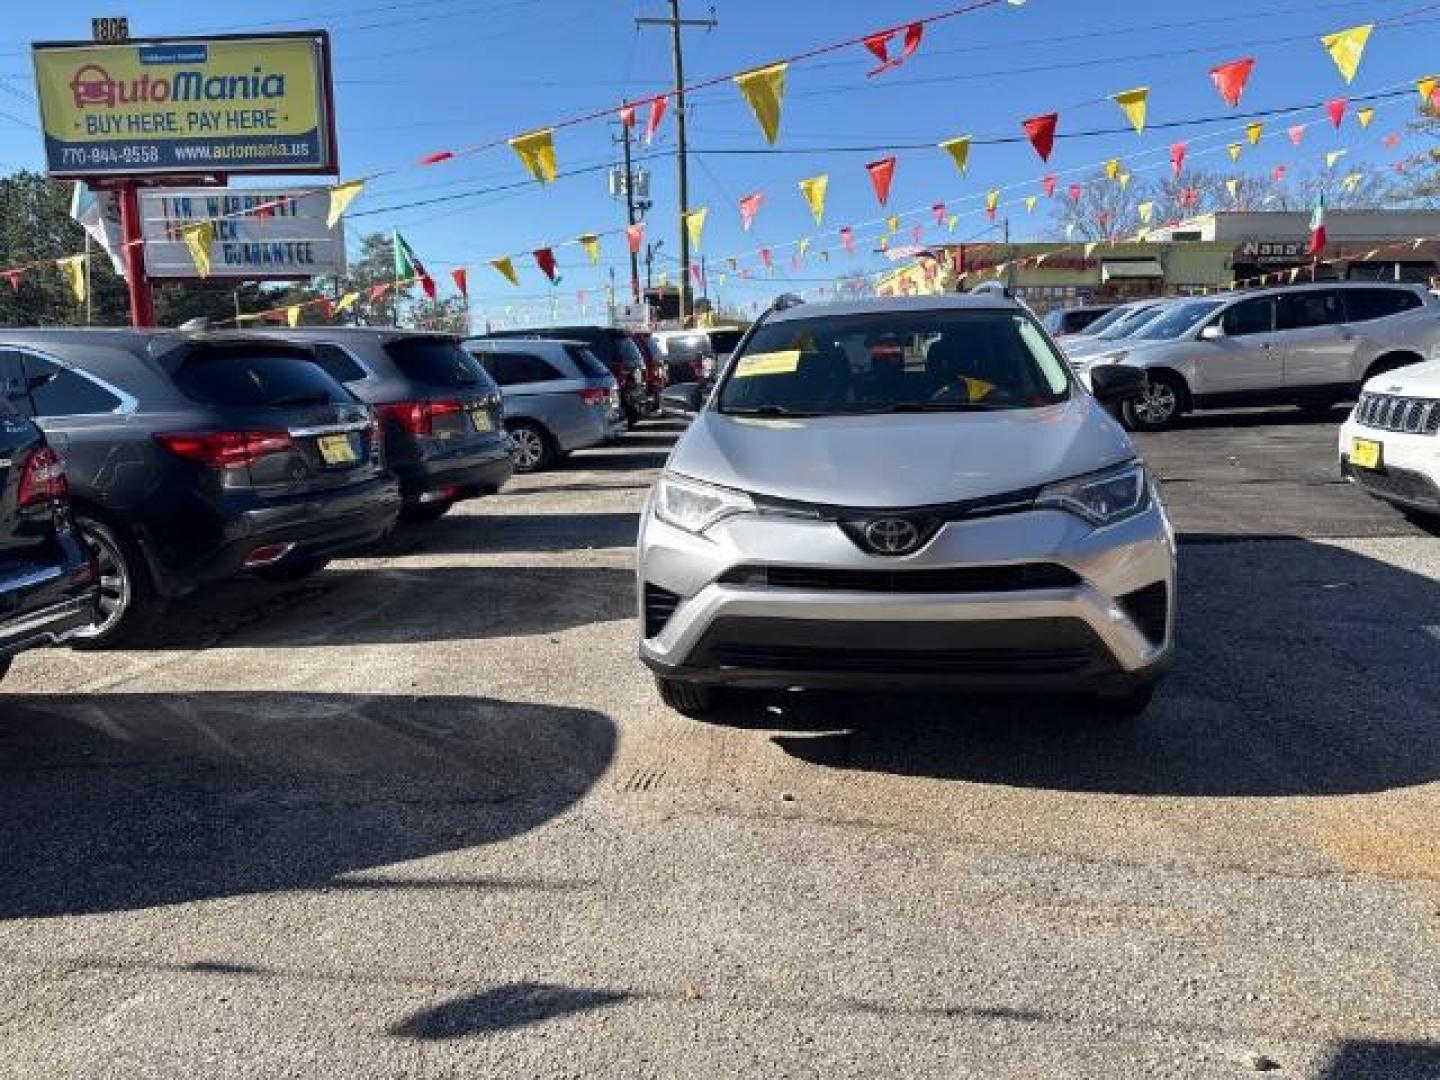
187	106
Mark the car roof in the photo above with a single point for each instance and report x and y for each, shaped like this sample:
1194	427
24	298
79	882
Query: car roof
352	333
491	339
883	305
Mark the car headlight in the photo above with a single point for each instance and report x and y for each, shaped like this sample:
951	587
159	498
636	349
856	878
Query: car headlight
1101	498
693	506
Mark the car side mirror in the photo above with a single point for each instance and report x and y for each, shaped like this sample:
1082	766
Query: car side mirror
1213	332
683	398
1116	382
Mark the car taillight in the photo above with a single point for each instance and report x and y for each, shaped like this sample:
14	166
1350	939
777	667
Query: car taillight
418	417
593	396
43	480
225	449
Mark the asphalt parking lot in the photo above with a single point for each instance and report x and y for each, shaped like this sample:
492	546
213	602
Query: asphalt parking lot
424	816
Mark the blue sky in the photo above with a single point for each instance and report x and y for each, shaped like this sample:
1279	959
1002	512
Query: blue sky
414	76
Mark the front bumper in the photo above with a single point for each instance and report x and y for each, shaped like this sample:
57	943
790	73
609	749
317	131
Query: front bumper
1409	472
1087	633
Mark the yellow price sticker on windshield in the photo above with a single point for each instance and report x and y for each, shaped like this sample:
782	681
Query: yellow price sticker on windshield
783	362
977	388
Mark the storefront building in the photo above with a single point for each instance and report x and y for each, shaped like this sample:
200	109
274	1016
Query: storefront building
1214	252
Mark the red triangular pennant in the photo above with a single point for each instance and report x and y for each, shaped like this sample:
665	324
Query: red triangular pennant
657	110
635	236
1177	157
1049	185
939	211
847	238
461	280
1336	110
1230	79
377	292
881	172
749	207
438	156
1040	130
1074	193
545	259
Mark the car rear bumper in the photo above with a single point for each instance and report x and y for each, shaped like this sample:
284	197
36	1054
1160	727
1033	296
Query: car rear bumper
458	476
317	525
47	604
1106	625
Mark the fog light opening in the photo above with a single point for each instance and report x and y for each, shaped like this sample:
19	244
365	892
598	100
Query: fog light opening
268	555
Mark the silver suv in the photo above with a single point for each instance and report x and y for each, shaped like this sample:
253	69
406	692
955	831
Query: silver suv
1307	345
906	492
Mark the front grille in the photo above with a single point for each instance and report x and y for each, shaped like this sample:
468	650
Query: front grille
966	579
977	662
660	604
1391	412
1148	609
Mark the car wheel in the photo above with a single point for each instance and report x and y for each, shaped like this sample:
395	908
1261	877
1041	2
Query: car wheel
432	511
4	666
129	605
531	448
687	698
288	570
1126	706
1158	407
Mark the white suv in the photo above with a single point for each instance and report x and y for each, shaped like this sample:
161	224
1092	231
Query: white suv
1390	446
1308	345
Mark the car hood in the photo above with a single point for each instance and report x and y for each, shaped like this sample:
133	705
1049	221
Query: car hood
910	459
1414	380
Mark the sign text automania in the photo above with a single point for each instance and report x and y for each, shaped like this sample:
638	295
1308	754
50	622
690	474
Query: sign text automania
94	87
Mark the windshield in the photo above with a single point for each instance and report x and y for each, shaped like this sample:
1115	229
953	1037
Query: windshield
1176	320
1131	324
1109	319
897	361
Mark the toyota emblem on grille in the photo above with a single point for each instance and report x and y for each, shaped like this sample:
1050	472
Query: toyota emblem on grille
892	536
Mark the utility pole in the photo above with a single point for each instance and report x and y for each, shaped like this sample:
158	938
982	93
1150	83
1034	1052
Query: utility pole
630	214
676	23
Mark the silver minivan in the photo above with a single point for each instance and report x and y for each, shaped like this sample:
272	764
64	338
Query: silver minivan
1307	345
905	492
558	397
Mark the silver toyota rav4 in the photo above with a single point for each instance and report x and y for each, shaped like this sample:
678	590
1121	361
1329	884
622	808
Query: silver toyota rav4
906	493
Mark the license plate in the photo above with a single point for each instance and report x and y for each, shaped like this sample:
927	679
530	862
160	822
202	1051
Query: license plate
337	449
1365	453
481	419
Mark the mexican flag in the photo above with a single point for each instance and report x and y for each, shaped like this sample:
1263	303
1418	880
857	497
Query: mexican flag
408	267
1317	227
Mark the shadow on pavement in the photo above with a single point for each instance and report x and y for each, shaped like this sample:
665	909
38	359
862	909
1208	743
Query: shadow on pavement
399	605
1303	669
502	1008
1374	1060
123	801
1269	418
489	533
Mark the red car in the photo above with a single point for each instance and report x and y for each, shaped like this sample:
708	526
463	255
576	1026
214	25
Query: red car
657	376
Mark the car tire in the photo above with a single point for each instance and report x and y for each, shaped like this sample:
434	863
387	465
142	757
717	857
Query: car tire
687	698
287	571
4	666
531	447
130	607
432	511
1159	407
1129	705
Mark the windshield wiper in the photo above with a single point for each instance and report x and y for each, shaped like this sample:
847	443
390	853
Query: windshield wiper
768	410
303	398
936	406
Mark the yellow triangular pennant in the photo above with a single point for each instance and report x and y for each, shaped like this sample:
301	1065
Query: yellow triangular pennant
814	189
1252	132
892	223
198	237
1030	204
1235	148
951	222
73	267
1332	157
764	90
1112	168
1146	210
804	246
341	196
695	225
1426	87
1124	179
537	153
959	150
1346	47
1364	116
1134	103
506	269
591	243
992	200
346	302
1233	187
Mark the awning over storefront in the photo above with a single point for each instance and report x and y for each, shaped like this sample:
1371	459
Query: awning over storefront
1130	269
